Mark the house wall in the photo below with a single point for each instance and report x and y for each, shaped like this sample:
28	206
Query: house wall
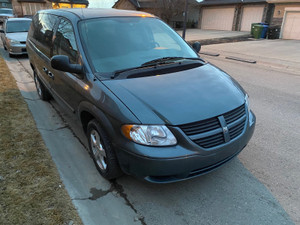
17	8
279	12
29	8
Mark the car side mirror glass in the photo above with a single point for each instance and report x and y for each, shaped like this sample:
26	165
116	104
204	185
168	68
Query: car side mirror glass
196	46
62	63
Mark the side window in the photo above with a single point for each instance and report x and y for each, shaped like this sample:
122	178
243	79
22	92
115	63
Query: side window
43	25
65	42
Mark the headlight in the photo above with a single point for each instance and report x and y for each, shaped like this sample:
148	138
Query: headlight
14	42
251	119
247	103
153	135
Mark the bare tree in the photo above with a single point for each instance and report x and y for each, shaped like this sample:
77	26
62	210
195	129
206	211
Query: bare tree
167	9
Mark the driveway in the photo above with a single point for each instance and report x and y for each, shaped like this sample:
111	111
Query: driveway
282	54
242	192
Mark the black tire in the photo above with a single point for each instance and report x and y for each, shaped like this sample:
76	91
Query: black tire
10	55
43	93
101	151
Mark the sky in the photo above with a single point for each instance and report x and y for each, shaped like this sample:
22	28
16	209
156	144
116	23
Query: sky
104	3
101	3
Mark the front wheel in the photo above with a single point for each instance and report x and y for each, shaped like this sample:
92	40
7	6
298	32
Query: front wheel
102	153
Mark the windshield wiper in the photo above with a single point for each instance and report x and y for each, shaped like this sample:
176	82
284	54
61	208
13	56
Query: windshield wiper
117	72
165	60
153	63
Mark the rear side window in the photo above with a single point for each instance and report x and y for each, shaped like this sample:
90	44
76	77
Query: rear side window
65	42
41	30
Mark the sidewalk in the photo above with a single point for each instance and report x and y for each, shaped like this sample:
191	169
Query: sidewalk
214	36
274	53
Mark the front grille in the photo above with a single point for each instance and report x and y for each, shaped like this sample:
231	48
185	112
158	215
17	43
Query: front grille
211	141
209	133
237	129
23	42
201	126
234	114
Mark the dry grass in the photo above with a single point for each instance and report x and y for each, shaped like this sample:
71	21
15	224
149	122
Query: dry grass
31	191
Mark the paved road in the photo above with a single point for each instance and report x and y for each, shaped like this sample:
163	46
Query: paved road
242	192
273	154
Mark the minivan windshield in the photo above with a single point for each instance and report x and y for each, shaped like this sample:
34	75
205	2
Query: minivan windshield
118	43
17	26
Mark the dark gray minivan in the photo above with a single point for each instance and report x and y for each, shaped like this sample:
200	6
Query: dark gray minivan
149	105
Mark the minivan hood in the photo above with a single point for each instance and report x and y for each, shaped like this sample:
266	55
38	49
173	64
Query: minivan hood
180	97
20	36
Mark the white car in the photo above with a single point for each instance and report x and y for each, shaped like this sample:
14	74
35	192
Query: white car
14	35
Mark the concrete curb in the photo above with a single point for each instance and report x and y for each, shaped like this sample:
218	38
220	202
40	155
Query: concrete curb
222	40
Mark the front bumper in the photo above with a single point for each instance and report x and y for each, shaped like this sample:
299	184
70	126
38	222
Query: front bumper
166	167
18	49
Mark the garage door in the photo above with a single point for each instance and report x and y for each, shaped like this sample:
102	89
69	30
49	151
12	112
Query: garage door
291	26
251	14
220	18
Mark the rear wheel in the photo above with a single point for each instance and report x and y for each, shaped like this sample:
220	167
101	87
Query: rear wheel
102	153
41	89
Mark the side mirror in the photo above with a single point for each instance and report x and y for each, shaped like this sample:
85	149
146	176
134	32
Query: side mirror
196	46
62	63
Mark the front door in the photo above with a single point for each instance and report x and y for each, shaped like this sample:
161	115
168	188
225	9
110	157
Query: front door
67	87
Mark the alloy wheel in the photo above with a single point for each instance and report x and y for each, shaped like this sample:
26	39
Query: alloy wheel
98	150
